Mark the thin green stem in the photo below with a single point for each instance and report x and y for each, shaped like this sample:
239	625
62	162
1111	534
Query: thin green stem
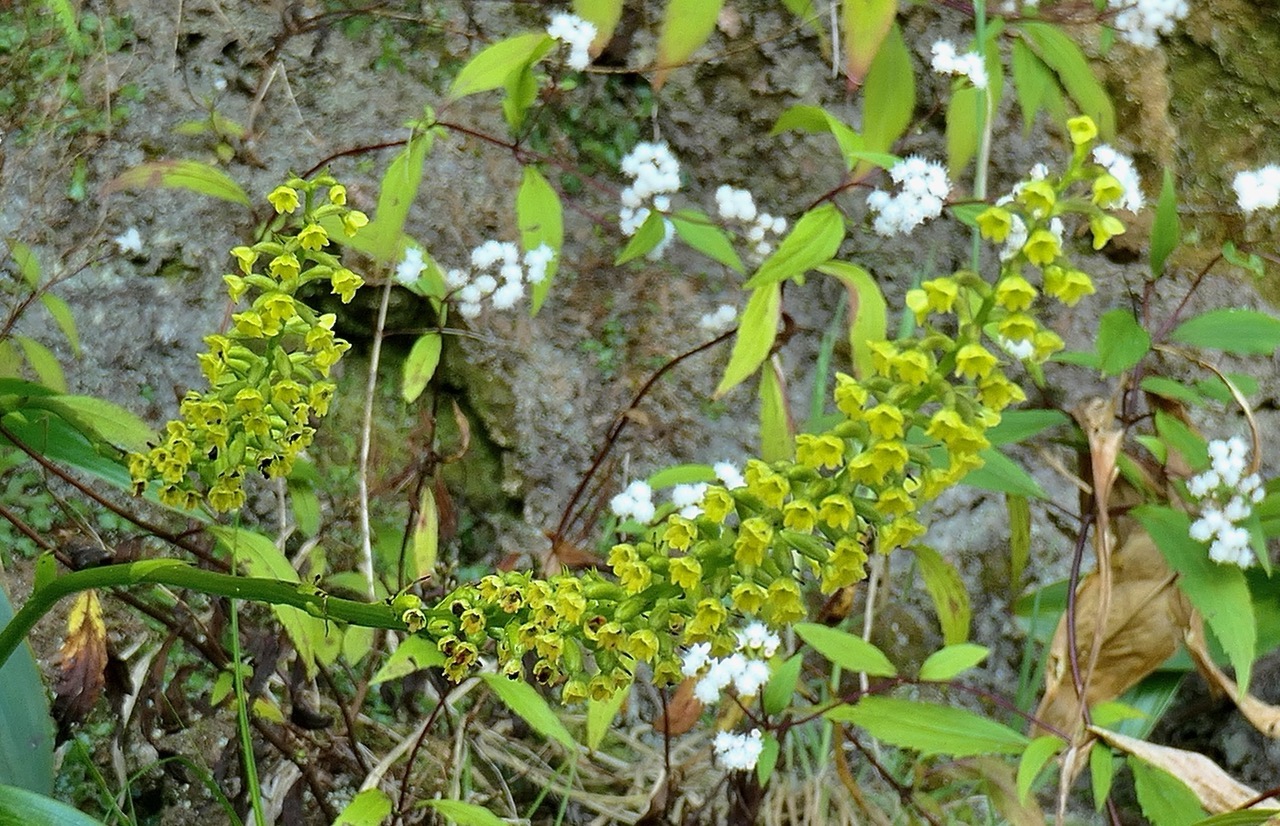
253	787
178	574
984	115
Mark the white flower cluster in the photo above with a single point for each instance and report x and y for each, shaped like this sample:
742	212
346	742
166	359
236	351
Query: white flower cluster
575	33
924	186
1141	22
688	499
947	62
636	502
471	286
720	320
1121	168
729	475
1226	497
654	174
739	205
739	752
1258	189
746	669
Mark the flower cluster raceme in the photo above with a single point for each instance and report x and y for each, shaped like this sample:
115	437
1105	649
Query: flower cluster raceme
635	502
655	175
498	274
1258	189
947	62
1226	495
575	33
746	669
739	752
761	228
1141	22
269	374
924	187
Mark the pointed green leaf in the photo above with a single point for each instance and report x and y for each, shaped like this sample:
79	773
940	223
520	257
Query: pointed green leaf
686	25
494	65
950	662
780	689
420	366
948	593
26	730
414	653
465	814
601	714
865	23
768	758
541	219
1219	592
814	240
845	650
1019	510
20	806
757	331
526	702
1033	81
816	120
777	438
650	234
99	418
1039	752
696	230
44	363
424	539
1121	343
1165	800
194	176
1166	232
603	14
868	312
930	728
64	318
1072	68
27	262
1242	332
383	237
1102	771
889	97
1003	475
368	808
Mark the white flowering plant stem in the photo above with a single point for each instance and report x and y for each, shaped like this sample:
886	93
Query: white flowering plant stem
745	589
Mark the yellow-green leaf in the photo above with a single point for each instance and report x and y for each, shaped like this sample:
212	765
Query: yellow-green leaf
868	312
814	240
541	219
845	650
368	808
601	714
521	698
777	435
865	23
190	175
686	25
383	237
947	590
425	540
930	728
889	97
494	65
44	363
64	318
603	14
757	331
421	365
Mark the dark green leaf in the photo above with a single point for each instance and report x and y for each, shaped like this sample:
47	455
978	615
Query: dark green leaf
26	731
780	689
1243	332
1165	800
1003	475
1122	342
1020	425
1102	770
20	807
1166	231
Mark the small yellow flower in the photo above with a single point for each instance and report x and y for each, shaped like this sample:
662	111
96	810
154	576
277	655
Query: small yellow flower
785	604
680	532
685	571
889	457
707	619
338	195
918	303
1018	327
974	362
754	536
1104	228
847	565
836	511
1068	286
850	396
769	487
1039	197
882	355
236	286
885	421
748	597
284	199
1107	190
942	293
1082	129
799	516
345	283
642	645
995	224
913	367
899	533
313	237
1042	248
353	221
284	266
573	692
1015	293
997	392
819	451
1047	343
249	324
717	504
246	256
895	501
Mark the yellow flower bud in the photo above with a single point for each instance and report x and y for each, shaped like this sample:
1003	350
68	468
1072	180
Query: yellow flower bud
1082	129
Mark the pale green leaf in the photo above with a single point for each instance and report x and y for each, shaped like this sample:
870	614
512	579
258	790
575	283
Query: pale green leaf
777	435
603	14
1242	332
1072	68
1165	800
465	814
28	264
949	662
1033	81
368	808
946	589
1121	342
1219	592
601	714
414	653
1166	232
494	65
44	363
686	25
99	418
868	312
889	96
768	759
1246	817
681	475
865	24
1102	771
648	236
522	699
64	318
1019	510
420	365
541	219
756	333
1039	752
846	650
194	176
424	541
306	506
696	230
814	240
1171	389
962	129
383	237
930	728
816	120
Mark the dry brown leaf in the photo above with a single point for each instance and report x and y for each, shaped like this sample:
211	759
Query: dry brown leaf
1262	716
82	661
1145	624
683	711
1218	791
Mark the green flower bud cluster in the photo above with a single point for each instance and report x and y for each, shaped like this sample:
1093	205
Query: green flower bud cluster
268	374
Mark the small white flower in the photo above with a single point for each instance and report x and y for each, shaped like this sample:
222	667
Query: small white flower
683	496
456	279
410	267
924	187
739	752
720	320
486	284
729	475
695	658
756	638
754	674
575	33
1120	166
1258	189
129	242
947	62
1141	22
506	296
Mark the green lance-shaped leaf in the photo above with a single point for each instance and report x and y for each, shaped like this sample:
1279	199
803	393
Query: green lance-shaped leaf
1102	772
686	25
20	806
1039	752
814	240
1020	425
1242	332
648	236
845	650
962	114
816	120
930	728
26	733
949	662
522	699
424	539
494	65
1165	800
950	599
1219	592
44	363
1166	232
698	231
414	653
1003	475
368	808
868	312
64	318
421	365
98	419
541	219
383	238
1070	65
194	176
757	330
866	24
28	264
782	685
603	14
601	714
777	434
1033	81
1122	342
465	814
889	97
1019	510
